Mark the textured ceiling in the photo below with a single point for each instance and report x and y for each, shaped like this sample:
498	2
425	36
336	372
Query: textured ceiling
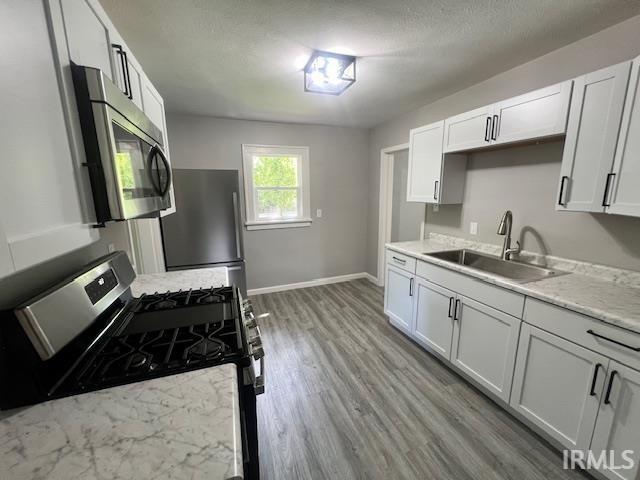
243	59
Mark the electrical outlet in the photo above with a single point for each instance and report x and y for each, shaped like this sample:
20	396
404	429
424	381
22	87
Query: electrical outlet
473	228
436	207
319	213
111	248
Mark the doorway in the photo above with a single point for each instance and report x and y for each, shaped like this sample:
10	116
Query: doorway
399	220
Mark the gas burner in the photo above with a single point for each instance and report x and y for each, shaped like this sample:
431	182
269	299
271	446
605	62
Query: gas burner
138	360
206	348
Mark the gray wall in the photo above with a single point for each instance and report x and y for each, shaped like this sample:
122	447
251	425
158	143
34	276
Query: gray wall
527	175
334	244
406	217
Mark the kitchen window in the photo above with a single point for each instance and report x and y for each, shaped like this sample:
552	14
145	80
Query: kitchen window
276	185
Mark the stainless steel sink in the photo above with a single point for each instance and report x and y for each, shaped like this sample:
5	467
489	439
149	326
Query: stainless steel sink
518	272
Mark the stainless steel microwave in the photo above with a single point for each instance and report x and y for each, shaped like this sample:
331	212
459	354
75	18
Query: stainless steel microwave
129	172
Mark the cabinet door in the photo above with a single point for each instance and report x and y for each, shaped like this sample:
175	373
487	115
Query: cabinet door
468	130
398	298
433	317
625	198
538	114
558	385
592	134
425	163
135	80
484	345
40	207
618	425
87	36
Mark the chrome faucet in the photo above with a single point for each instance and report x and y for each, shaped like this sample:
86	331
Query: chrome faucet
505	229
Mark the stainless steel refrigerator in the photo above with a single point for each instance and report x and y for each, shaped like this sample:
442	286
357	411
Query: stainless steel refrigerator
206	230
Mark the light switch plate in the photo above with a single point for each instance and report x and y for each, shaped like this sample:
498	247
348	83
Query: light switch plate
111	248
473	228
319	213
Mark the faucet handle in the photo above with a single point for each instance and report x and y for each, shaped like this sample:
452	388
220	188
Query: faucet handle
515	250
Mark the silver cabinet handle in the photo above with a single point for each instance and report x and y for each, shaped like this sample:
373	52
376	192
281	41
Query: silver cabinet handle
399	260
456	311
411	287
435	190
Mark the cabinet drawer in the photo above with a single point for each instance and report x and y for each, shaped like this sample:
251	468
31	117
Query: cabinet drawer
577	327
496	297
401	261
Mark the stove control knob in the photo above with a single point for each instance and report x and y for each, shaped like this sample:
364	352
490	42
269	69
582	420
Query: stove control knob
258	353
255	341
250	323
247	307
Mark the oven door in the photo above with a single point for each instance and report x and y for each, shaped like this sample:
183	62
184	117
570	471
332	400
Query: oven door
136	171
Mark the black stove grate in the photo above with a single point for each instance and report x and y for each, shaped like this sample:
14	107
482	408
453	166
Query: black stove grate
138	355
183	298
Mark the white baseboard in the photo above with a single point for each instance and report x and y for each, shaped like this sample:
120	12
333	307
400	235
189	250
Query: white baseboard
312	283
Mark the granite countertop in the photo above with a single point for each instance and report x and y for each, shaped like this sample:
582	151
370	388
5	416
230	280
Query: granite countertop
180	279
184	426
613	298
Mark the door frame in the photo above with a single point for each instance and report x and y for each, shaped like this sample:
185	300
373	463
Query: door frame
386	204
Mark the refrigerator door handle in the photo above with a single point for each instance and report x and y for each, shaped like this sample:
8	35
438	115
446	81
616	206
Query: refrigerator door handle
236	218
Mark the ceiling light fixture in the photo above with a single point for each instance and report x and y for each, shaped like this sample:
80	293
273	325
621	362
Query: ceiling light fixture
329	73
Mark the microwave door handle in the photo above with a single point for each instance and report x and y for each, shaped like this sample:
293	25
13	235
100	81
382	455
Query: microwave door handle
155	181
167	167
159	189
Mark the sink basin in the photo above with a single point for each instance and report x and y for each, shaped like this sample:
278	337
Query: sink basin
518	272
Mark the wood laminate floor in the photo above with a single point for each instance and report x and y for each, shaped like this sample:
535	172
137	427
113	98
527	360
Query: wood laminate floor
349	397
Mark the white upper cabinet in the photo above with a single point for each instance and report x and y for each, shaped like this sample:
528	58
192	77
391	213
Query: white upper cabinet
87	35
425	163
592	133
432	177
40	208
618	425
625	194
558	385
539	114
468	130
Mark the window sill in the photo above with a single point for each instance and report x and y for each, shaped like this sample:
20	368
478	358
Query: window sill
297	223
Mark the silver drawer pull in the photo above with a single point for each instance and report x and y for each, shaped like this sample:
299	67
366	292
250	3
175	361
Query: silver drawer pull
399	260
635	349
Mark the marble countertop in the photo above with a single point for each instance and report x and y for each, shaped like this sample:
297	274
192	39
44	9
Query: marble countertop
184	426
180	279
607	300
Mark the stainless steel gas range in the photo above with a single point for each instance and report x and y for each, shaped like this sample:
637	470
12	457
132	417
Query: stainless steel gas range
89	333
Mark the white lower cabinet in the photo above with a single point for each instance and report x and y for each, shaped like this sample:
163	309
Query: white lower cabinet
433	317
398	301
569	384
484	345
558	386
618	425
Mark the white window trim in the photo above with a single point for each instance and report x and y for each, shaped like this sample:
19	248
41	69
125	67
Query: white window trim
248	152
